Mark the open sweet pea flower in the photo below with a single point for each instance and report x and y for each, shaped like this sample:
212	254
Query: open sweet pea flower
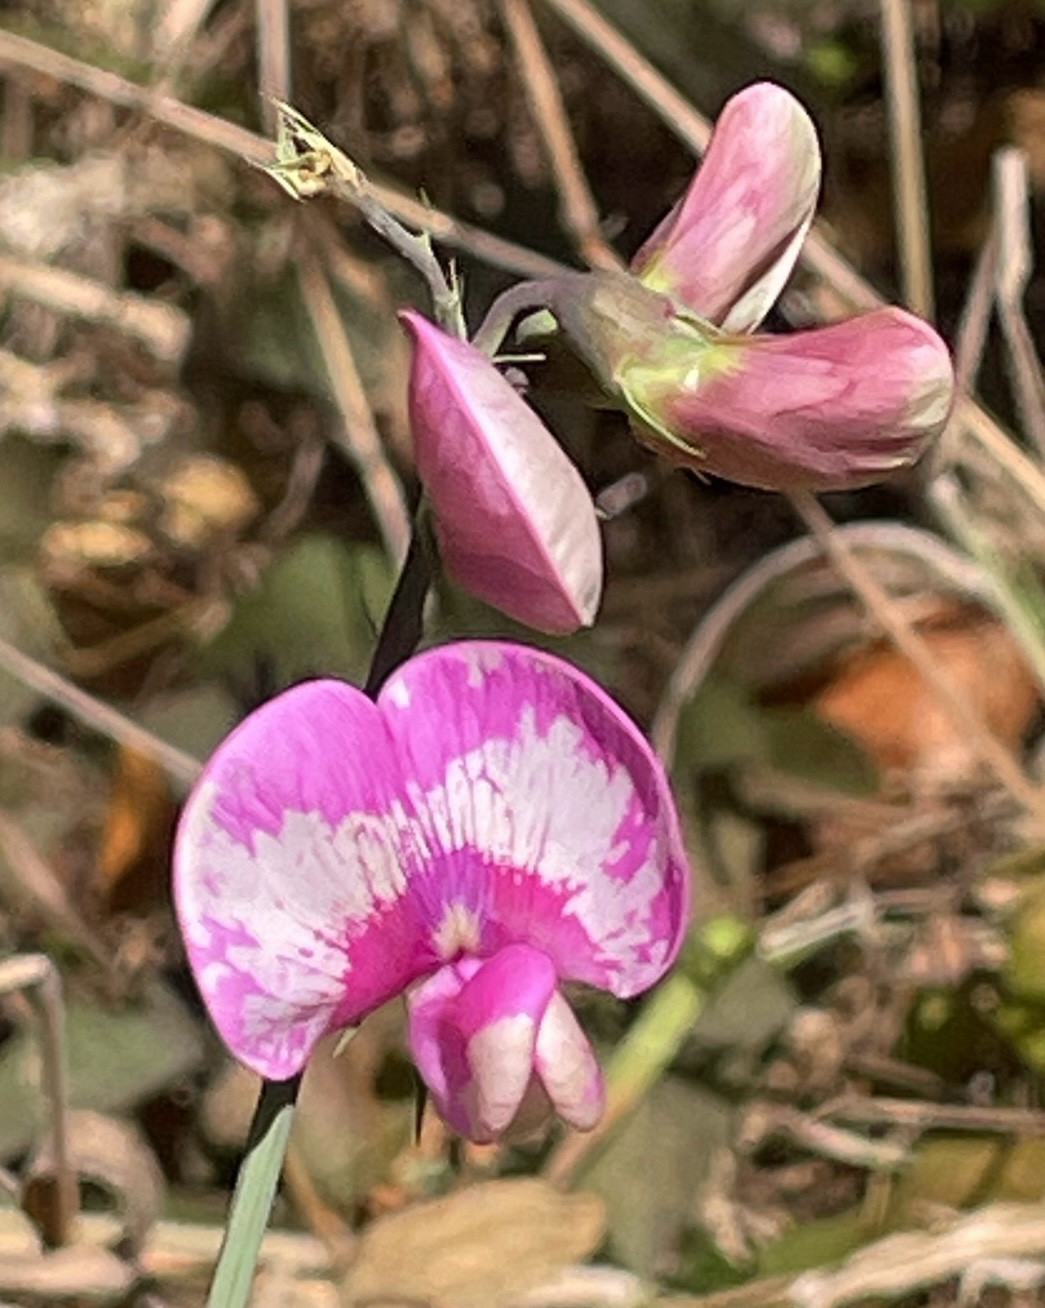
828	409
491	827
515	523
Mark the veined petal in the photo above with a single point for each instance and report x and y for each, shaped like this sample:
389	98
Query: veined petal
290	880
473	1032
727	248
541	815
828	409
515	523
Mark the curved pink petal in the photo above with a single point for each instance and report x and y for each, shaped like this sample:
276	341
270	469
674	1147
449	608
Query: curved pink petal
829	409
290	880
515	523
727	248
473	1032
567	1067
542	815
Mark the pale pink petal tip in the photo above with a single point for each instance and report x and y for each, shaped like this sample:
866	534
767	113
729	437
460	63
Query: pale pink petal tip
729	245
515	523
833	408
500	1049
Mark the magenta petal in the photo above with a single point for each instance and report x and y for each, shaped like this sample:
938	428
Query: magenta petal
473	1033
542	813
436	1046
727	248
829	409
289	878
515	523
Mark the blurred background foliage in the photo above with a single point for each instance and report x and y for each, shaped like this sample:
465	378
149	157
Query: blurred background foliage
198	380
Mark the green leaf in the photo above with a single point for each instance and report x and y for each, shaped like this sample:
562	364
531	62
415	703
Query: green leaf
315	611
804	745
25	505
194	719
118	1057
28	622
719	728
647	1193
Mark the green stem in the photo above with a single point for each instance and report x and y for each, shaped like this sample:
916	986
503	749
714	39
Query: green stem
521	298
307	164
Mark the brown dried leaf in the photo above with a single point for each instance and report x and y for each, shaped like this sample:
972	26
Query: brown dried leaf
881	699
477	1247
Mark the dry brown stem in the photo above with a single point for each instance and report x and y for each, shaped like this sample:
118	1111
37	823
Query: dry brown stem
38	977
359	436
161	328
906	157
20	52
579	213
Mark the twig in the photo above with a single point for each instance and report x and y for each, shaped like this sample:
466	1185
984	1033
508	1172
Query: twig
40	979
828	1141
920	1116
307	164
88	661
19	52
37	880
766	1292
1020	615
1015	265
178	765
297	494
161	328
914	648
272	28
358	435
907	161
648	84
971	336
579	213
900	1264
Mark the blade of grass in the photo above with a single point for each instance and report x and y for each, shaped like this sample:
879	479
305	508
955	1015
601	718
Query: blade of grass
255	1191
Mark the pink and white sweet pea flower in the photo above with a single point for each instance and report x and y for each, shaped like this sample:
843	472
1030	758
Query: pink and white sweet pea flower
493	825
829	409
515	523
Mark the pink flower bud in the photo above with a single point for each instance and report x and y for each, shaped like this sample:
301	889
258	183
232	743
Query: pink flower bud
829	409
728	246
515	523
